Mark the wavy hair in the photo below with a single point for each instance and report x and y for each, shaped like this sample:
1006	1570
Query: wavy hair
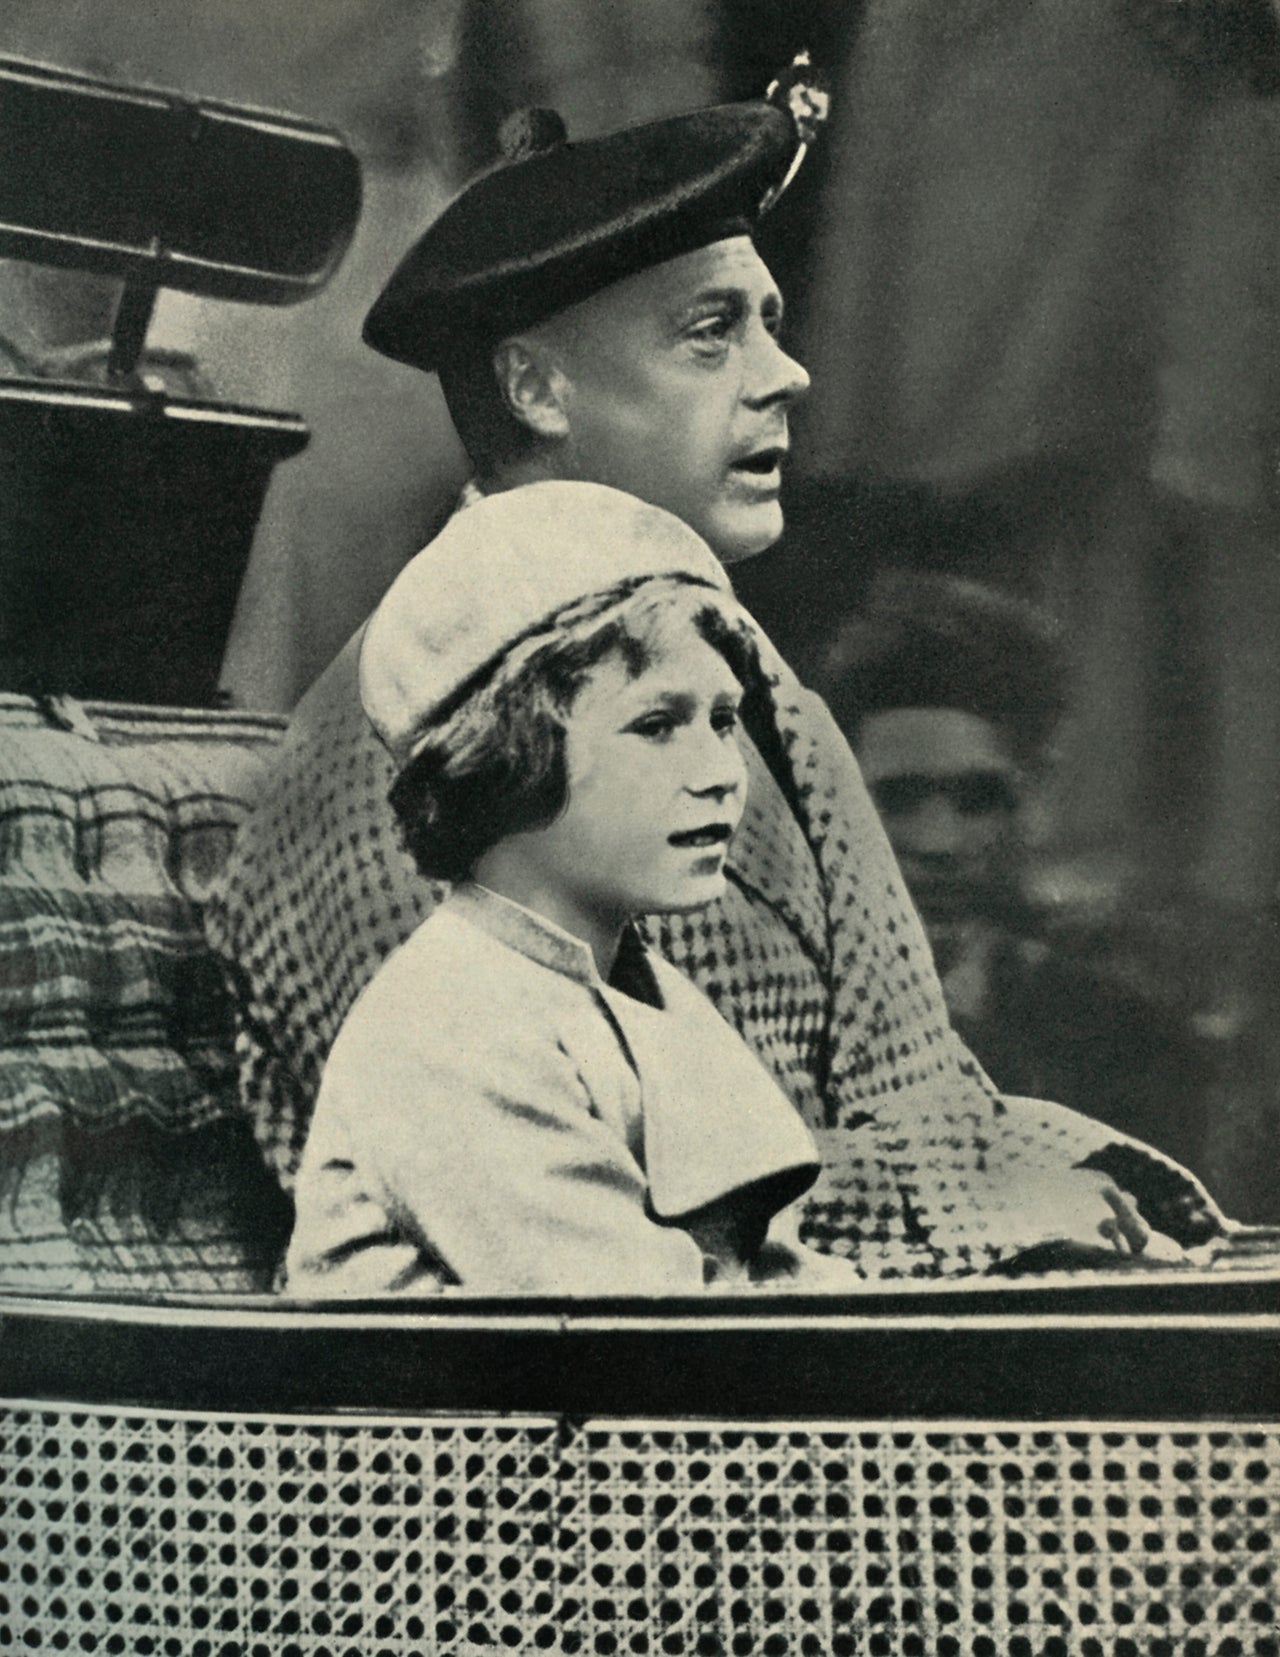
493	762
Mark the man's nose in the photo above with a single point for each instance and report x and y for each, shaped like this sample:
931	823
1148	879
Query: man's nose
934	829
775	376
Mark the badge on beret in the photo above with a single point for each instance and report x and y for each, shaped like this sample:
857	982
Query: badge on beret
801	92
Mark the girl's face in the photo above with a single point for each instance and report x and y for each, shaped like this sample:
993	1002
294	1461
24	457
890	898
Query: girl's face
656	785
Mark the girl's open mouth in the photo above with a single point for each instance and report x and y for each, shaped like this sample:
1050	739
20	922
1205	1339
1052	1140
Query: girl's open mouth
715	834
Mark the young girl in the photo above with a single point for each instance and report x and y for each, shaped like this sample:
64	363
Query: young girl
524	1099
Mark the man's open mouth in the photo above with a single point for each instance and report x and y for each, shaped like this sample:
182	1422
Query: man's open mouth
714	834
763	461
949	900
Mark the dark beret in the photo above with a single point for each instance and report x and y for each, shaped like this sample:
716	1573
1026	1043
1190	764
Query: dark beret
546	229
925	639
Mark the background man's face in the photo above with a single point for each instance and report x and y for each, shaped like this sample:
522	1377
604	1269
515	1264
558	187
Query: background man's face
946	787
677	390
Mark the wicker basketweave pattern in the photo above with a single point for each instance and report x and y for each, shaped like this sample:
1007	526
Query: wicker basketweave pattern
184	1536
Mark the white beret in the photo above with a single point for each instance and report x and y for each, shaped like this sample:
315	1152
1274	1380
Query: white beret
499	570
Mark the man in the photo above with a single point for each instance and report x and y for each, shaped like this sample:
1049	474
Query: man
950	693
598	311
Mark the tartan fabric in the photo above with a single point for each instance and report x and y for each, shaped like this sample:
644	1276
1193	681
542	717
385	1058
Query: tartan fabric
815	954
124	1161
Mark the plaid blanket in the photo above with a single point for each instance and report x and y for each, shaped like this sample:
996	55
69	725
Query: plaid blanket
815	954
124	1160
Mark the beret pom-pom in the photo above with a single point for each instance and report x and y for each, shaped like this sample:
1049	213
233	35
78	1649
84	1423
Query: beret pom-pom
527	132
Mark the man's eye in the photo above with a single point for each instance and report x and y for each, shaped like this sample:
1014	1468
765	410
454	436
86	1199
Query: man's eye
900	796
976	794
983	793
711	329
725	719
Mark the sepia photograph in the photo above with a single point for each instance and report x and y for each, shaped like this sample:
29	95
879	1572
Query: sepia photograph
640	827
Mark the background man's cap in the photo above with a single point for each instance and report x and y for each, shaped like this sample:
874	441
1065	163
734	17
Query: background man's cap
558	221
926	639
499	571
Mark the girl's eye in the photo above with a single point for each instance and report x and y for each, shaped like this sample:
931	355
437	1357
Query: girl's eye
655	726
724	720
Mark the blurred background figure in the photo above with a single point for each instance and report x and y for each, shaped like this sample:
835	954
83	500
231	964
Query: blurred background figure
951	693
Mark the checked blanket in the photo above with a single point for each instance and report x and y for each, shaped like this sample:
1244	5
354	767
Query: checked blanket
125	1162
815	954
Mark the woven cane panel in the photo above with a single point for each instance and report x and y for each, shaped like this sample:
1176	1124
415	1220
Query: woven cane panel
232	1537
224	1538
995	1543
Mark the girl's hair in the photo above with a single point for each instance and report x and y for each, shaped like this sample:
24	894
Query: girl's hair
493	764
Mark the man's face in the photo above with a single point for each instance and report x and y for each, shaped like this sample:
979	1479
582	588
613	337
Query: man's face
676	389
946	787
656	784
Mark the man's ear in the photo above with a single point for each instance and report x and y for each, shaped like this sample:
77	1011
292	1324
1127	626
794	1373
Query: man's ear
532	384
